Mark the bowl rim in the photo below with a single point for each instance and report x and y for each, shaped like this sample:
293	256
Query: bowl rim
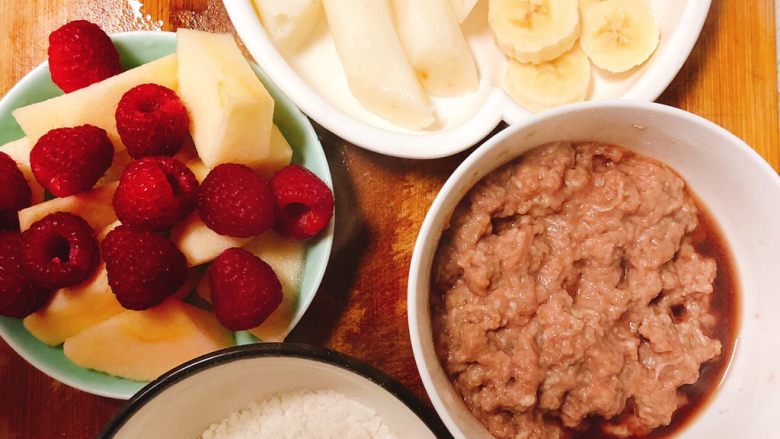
285	350
139	37
498	105
426	238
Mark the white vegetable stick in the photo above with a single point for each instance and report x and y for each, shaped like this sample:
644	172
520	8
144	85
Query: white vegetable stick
436	47
289	23
463	8
378	71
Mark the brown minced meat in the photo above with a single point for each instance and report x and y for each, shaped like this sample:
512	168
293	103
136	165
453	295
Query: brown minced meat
561	281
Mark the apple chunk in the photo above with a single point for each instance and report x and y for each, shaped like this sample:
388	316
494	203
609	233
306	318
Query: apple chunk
19	151
198	243
95	206
96	104
231	112
74	309
285	256
279	157
142	345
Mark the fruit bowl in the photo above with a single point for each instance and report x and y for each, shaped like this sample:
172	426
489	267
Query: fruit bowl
136	48
315	80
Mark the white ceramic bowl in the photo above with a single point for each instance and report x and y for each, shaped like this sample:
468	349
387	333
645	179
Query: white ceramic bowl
741	191
314	79
185	401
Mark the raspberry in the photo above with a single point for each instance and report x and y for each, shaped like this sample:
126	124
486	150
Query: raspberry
14	193
59	250
304	203
143	267
19	295
81	54
155	193
244	289
152	120
67	161
235	201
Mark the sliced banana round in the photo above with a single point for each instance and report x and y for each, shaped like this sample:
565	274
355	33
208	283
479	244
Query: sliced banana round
534	31
586	5
618	35
561	81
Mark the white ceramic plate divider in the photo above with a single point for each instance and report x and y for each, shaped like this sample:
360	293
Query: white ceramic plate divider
312	76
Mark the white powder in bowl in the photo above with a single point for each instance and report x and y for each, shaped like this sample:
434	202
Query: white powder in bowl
302	414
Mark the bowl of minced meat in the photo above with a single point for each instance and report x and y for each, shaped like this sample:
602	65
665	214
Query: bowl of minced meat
275	391
604	270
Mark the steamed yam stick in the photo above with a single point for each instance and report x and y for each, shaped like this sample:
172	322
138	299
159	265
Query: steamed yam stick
379	74
436	47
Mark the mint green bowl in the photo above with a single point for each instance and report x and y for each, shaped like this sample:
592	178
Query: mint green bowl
136	48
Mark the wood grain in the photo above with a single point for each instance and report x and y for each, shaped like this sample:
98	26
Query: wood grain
361	308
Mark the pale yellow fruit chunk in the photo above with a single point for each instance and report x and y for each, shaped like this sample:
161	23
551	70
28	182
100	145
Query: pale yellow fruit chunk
289	23
279	157
19	151
95	206
118	165
231	112
101	235
537	87
95	104
198	243
534	31
74	309
285	256
142	345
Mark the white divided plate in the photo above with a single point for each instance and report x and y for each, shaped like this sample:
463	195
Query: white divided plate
314	79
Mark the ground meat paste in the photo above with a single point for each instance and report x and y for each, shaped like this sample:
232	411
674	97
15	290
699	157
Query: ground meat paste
569	288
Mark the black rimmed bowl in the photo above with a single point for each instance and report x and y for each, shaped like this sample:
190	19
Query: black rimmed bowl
185	401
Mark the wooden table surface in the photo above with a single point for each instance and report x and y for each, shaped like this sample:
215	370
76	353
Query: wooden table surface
730	78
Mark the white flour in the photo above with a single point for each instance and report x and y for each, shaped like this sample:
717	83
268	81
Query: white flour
302	414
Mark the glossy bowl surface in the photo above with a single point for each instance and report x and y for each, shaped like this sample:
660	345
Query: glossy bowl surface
314	79
740	190
185	401
136	48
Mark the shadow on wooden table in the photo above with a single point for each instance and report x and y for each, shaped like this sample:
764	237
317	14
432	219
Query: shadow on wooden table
349	244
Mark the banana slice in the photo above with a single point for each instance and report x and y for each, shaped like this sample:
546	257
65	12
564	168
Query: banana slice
587	5
561	81
618	35
534	31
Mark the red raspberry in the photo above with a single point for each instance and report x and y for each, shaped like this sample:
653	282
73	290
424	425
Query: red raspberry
14	193
155	193
244	289
152	120
143	267
59	250
304	203
67	161
81	54
235	201
19	295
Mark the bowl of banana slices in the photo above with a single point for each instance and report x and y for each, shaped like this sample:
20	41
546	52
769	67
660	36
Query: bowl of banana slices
429	78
